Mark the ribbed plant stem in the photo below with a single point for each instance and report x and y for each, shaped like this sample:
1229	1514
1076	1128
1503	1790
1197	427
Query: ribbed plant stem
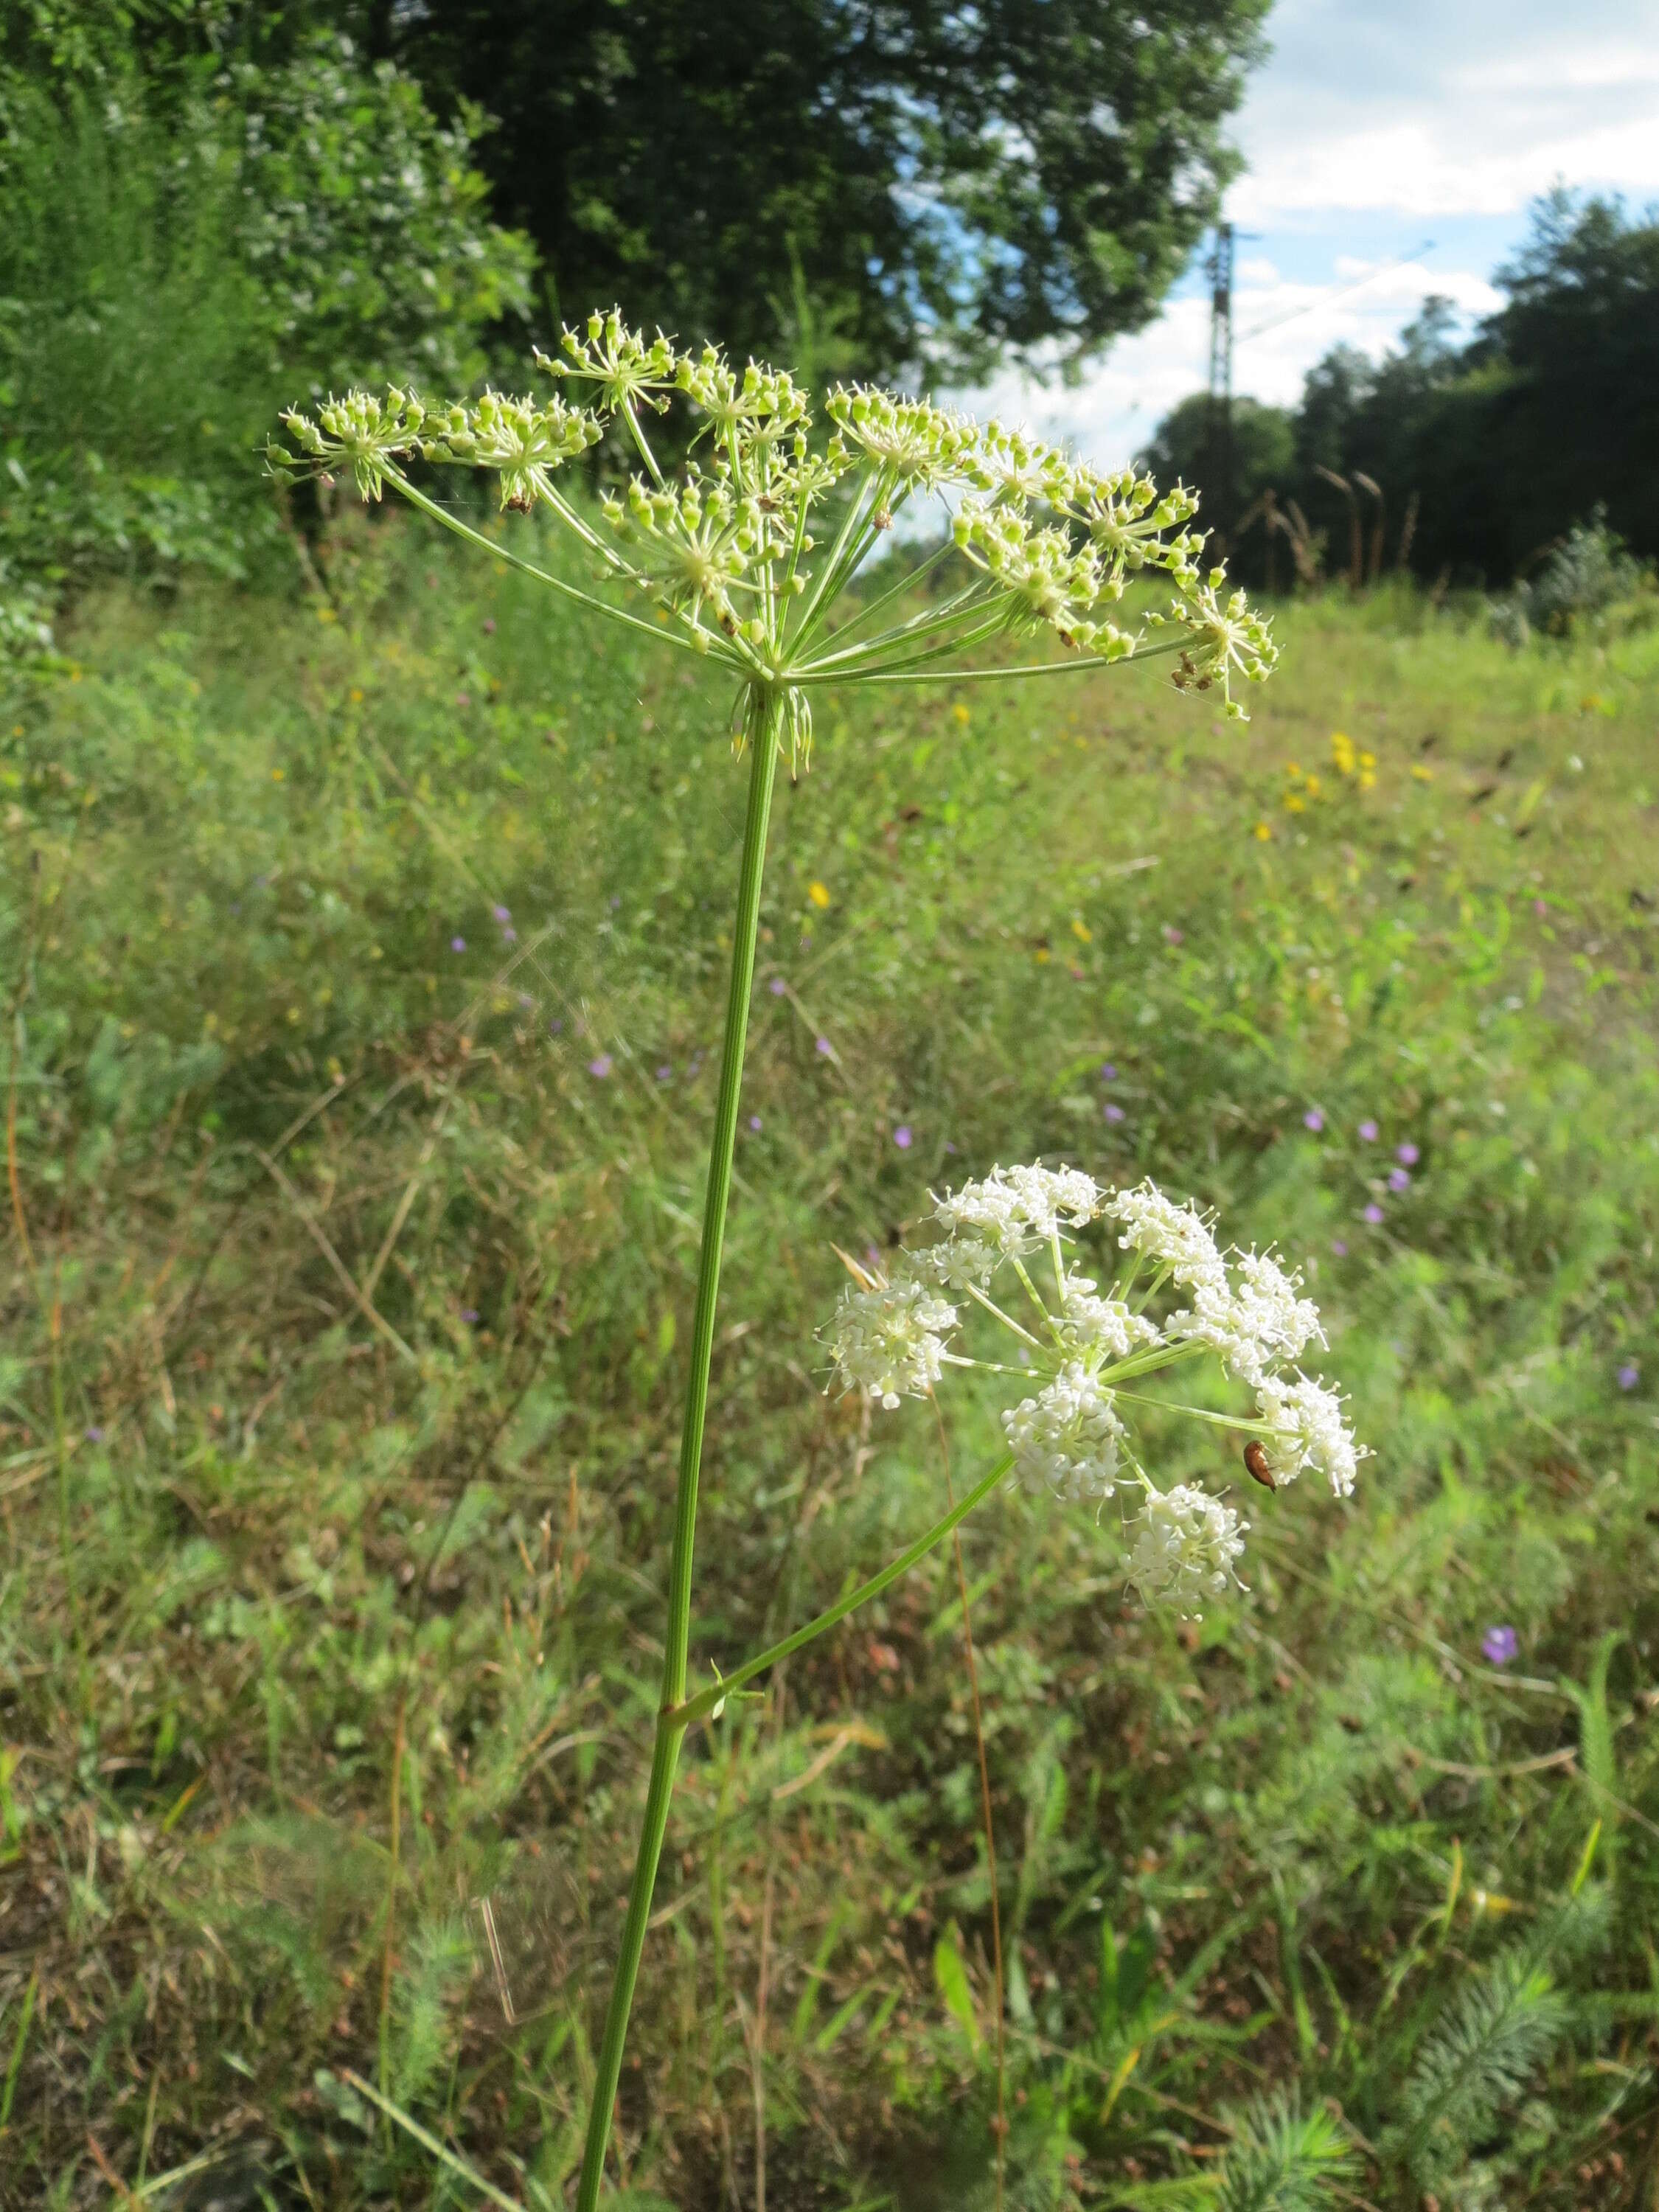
763	718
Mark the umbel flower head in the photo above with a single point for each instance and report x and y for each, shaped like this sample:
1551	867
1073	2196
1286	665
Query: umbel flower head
744	553
1177	1295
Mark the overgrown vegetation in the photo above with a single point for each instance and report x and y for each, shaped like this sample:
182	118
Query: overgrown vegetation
363	966
177	264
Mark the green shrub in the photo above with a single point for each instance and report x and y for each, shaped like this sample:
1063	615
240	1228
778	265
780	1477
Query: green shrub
159	295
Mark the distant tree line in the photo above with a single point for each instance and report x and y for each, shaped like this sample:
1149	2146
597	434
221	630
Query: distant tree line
1466	461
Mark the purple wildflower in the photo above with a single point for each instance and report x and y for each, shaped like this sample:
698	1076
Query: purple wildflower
1108	1071
1339	1246
1113	1111
470	1316
509	936
1373	1213
1368	1131
1628	1376
1172	935
458	944
777	987
1398	1180
1501	1645
1539	907
94	1434
555	1025
1407	1154
754	1121
902	1137
601	1066
502	913
825	1046
665	1073
1314	1120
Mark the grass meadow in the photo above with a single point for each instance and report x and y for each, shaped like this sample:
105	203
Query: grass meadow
364	968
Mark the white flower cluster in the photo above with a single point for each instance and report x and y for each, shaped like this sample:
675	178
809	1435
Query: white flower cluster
1186	1544
1069	1437
1093	1323
890	1341
1065	1439
1049	542
1309	1429
1254	1321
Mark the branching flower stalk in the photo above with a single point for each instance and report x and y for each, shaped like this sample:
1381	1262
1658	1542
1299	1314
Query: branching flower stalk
743	558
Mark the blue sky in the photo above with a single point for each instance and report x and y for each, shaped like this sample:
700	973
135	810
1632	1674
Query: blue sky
1374	128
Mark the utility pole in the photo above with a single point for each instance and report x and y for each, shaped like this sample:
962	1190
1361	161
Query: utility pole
1218	460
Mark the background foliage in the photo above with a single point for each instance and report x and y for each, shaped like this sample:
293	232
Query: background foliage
366	959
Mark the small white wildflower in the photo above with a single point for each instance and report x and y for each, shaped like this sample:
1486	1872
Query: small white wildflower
1054	1199
1308	1430
1013	1210
1175	1237
1065	1440
1185	1547
1256	1324
891	1341
960	1263
1091	1324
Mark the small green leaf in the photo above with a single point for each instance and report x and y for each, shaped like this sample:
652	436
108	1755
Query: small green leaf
951	1975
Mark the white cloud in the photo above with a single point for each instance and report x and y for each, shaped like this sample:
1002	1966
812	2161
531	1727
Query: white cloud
1420	108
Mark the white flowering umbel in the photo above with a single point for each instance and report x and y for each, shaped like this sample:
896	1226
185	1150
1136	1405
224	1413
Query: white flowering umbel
1070	1436
743	554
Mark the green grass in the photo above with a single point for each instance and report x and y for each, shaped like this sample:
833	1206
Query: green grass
341	1381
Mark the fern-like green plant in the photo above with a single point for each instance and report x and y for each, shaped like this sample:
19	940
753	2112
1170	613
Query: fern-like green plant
1494	2035
1284	2159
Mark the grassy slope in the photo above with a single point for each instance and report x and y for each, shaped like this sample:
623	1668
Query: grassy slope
258	1542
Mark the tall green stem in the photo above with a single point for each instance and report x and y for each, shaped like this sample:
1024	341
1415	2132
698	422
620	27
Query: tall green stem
764	720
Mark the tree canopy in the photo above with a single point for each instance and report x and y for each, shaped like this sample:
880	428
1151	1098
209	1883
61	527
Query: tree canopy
931	186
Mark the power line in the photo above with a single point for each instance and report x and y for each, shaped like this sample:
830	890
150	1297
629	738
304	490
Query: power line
1330	300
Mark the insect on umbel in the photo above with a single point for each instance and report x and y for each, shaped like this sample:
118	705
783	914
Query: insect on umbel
1257	1464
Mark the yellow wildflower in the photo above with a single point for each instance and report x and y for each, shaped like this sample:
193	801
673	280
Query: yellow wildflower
959	714
818	893
1081	931
1421	774
1294	801
1313	787
1264	831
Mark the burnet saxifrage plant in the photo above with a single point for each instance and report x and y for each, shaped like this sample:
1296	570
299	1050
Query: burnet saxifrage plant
742	557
